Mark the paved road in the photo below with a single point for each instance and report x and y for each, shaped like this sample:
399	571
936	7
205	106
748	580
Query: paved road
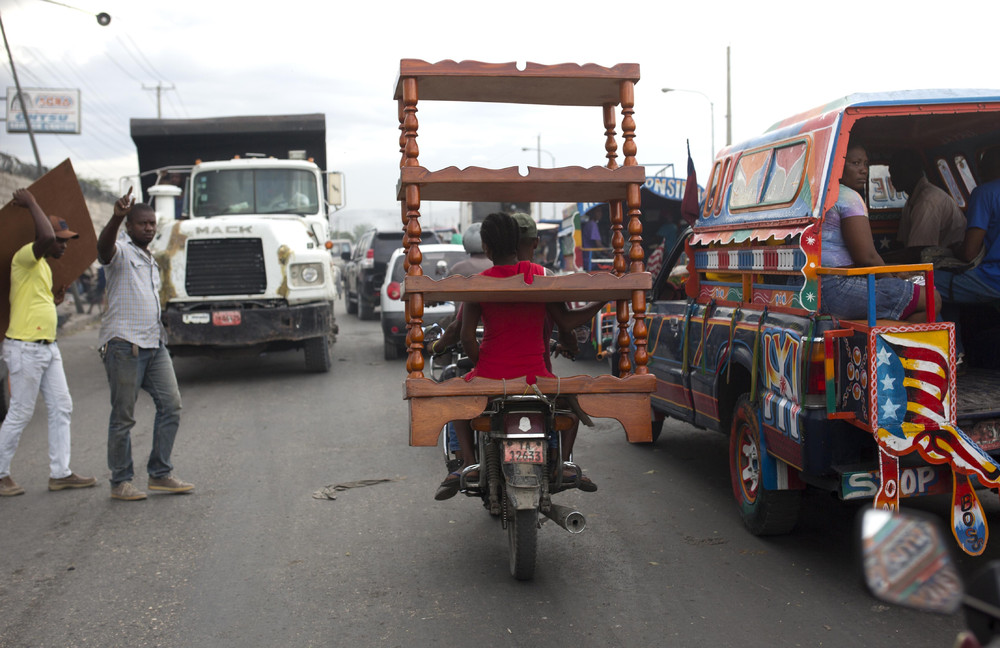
252	559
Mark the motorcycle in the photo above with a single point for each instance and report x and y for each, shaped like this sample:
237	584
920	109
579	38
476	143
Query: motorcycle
906	561
519	464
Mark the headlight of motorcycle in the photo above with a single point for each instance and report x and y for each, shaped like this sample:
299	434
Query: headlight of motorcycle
305	274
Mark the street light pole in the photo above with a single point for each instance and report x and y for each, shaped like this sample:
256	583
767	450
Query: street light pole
103	20
20	96
711	109
538	147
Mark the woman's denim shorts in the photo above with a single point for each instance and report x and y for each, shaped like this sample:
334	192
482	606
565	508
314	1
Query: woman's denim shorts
847	297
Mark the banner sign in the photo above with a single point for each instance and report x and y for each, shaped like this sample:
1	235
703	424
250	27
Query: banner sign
50	110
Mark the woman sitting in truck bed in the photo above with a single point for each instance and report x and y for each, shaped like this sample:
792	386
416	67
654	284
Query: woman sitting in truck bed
847	241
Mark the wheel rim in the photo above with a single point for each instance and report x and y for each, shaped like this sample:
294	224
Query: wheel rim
749	464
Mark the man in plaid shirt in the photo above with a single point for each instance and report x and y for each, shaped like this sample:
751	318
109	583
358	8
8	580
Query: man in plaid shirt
134	350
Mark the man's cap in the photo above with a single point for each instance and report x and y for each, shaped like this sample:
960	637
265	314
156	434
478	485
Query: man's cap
61	229
526	224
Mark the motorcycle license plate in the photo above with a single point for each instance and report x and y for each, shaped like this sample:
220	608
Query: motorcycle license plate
527	451
226	318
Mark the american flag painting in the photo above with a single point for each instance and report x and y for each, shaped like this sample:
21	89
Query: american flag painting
913	385
913	408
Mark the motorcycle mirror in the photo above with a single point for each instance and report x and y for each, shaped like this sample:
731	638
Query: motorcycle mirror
906	562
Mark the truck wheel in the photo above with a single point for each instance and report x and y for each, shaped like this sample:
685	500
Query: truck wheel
350	304
764	511
366	308
319	353
391	350
657	424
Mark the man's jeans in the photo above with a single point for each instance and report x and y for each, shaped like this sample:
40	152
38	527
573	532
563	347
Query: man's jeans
36	368
962	288
153	371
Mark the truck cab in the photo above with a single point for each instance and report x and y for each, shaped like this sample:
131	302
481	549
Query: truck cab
243	233
740	343
249	269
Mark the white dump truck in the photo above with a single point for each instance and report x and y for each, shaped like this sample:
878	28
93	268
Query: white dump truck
243	241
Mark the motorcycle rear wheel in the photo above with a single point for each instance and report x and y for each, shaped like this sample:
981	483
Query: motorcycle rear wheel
522	543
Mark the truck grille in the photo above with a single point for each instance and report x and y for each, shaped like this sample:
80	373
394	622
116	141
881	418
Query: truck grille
225	267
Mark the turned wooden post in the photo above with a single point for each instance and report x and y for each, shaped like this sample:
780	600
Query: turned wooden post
628	123
414	308
610	145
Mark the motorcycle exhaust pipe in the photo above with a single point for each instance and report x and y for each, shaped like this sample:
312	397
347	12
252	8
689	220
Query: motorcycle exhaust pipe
567	518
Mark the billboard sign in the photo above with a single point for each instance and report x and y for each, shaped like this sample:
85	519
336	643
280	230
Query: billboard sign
50	110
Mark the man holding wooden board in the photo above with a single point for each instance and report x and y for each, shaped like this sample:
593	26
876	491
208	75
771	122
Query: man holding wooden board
30	351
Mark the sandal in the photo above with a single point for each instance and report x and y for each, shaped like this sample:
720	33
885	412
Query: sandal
586	485
449	487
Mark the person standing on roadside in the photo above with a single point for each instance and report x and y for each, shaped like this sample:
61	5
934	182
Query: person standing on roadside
31	353
133	346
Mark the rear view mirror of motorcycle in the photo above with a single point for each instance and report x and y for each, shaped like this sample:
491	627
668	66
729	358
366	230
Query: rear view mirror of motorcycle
906	561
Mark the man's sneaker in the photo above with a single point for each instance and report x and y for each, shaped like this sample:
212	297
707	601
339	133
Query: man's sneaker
169	484
126	491
71	481
8	488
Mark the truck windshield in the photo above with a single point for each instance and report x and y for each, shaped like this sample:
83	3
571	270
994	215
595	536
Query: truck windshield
255	191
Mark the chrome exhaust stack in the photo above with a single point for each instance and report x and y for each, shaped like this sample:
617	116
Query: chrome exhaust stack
569	519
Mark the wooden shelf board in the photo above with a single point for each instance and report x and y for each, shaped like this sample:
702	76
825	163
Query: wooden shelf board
579	286
433	404
565	84
603	384
562	184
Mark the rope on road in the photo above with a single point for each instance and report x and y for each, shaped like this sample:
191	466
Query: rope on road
330	492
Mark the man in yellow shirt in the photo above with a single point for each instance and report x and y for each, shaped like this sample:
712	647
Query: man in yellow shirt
33	360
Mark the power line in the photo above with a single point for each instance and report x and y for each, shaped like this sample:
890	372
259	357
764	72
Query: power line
122	68
156	73
149	71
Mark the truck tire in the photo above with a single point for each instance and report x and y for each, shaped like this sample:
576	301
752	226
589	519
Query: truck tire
351	305
366	308
764	511
319	353
391	350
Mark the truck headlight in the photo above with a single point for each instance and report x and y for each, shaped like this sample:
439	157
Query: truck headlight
306	274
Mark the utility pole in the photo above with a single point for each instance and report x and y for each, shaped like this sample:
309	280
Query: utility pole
729	103
159	88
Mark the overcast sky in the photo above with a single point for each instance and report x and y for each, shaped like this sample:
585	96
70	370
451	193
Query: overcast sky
225	58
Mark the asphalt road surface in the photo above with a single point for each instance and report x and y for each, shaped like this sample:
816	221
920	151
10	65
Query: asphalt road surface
251	558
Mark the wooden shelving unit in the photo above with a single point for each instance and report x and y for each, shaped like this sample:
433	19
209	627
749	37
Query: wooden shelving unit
627	398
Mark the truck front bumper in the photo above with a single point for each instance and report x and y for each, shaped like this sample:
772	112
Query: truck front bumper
231	326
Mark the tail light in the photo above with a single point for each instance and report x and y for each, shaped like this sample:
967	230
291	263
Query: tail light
524	423
370	253
816	382
393	290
